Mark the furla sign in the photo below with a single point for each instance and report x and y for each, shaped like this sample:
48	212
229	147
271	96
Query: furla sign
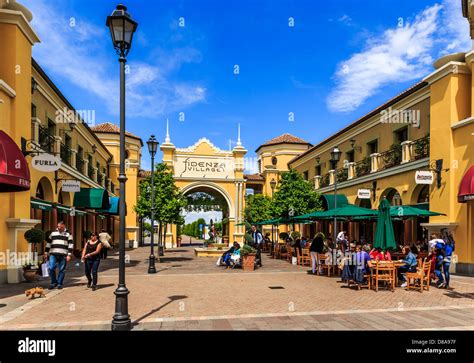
46	162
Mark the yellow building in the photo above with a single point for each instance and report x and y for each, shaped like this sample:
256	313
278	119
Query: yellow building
36	120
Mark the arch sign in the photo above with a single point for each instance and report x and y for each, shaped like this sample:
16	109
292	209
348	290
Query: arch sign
204	166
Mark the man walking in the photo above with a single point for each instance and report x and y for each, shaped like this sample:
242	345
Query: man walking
59	248
258	240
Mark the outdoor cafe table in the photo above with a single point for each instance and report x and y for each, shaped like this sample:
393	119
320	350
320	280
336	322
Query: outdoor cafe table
396	263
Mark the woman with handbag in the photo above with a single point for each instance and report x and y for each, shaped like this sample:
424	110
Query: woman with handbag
91	259
105	239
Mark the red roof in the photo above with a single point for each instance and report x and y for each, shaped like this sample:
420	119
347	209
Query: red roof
285	139
110	128
466	188
254	177
14	172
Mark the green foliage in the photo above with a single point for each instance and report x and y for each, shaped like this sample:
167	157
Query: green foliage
283	236
258	208
293	192
192	229
248	238
34	235
147	226
246	249
168	201
295	235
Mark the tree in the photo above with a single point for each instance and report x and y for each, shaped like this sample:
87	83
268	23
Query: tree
168	201
258	208
293	192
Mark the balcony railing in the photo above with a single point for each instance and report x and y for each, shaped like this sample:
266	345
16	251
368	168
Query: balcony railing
65	153
46	140
90	171
362	167
390	158
100	178
421	148
324	181
342	175
80	164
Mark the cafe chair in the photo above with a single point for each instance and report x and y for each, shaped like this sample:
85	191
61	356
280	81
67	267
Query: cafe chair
289	254
325	264
385	272
420	279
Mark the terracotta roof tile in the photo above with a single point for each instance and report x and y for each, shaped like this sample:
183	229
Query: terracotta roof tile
110	128
254	177
285	139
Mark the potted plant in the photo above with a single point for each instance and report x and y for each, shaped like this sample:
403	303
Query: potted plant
248	253
34	236
283	236
295	235
30	271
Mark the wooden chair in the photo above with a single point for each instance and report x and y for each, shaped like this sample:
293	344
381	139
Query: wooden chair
384	271
306	257
283	252
420	278
368	285
325	264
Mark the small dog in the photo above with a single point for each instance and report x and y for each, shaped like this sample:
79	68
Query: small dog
35	291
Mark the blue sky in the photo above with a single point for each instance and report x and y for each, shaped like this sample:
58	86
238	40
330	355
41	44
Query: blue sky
340	60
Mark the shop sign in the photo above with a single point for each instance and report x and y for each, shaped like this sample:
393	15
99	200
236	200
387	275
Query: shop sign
72	186
424	177
46	162
363	193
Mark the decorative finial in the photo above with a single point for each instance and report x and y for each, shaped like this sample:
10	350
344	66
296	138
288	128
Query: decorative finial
238	138
167	139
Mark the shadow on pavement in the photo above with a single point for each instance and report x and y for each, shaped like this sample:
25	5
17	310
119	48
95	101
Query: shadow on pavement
172	298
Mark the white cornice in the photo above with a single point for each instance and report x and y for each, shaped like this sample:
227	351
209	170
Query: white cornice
7	89
203	140
17	18
462	123
399	169
448	68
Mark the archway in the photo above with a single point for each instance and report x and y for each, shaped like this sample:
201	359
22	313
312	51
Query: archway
366	228
209	206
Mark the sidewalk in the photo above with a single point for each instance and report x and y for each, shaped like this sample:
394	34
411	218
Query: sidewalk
193	293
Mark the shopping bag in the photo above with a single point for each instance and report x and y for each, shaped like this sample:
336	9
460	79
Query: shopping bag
45	269
294	260
218	263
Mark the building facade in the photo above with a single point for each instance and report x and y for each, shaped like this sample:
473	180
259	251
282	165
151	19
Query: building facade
38	125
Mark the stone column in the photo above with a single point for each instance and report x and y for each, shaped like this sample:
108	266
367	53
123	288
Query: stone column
94	175
85	167
351	172
73	157
36	124
317	181
57	145
407	151
374	162
332	177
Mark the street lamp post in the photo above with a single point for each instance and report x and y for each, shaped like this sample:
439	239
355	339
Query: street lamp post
121	28
273	184
152	148
335	157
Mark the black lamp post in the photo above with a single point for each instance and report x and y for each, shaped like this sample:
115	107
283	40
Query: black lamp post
122	28
152	148
335	157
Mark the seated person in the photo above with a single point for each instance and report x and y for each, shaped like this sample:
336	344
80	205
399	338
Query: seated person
379	255
234	257
410	265
362	265
227	255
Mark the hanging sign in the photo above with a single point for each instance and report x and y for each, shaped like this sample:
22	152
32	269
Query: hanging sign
424	177
46	162
72	186
363	193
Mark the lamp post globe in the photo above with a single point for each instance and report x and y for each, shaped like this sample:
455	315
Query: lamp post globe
273	186
152	148
122	27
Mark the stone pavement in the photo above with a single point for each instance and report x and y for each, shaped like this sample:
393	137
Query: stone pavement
191	293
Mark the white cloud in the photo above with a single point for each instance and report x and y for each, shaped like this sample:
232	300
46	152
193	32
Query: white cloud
81	54
399	54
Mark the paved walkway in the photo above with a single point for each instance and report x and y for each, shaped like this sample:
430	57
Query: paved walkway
193	293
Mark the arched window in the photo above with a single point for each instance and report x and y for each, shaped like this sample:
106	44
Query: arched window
424	195
39	192
394	197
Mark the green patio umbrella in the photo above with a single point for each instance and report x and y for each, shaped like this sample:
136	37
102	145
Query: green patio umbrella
408	211
384	236
346	211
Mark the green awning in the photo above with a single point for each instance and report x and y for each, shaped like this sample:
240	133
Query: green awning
345	211
114	207
63	209
92	198
41	204
408	211
80	213
328	201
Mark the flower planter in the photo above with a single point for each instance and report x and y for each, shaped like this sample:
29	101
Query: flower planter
30	275
248	262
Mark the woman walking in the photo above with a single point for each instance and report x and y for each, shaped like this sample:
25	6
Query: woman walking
91	259
317	247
